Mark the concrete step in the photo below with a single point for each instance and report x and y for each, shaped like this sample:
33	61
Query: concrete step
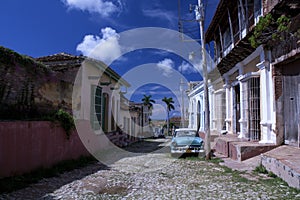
222	143
241	151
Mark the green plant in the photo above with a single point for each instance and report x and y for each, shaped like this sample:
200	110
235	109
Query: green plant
261	169
66	121
270	31
271	174
147	101
170	106
216	160
228	170
9	58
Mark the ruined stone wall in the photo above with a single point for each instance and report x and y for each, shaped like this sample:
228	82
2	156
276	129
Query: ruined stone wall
29	89
59	92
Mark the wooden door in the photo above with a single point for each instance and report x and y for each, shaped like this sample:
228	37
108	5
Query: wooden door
291	110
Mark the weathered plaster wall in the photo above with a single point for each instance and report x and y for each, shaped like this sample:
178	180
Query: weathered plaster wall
26	146
29	145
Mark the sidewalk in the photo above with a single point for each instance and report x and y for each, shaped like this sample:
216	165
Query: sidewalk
283	161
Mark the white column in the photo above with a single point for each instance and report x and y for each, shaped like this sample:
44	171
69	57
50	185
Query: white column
190	113
202	113
243	104
265	99
212	108
232	111
243	108
227	87
118	121
193	113
220	110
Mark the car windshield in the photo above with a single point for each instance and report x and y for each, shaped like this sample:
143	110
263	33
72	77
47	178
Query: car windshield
185	134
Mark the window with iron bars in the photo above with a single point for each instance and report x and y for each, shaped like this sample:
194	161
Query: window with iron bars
254	108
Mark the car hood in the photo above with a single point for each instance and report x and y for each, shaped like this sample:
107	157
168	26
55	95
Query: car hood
182	141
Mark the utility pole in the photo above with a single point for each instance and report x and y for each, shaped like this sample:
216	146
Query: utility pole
199	11
181	88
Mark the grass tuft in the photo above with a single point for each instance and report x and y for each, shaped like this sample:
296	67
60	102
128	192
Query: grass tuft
261	169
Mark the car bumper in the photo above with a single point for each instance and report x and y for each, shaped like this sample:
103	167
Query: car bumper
182	151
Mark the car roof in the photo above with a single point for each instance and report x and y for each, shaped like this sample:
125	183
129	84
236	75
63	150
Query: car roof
185	129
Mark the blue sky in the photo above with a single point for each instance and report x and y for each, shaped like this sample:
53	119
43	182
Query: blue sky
43	27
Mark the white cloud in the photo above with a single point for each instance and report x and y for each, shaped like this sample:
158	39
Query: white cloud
105	48
160	52
175	114
186	68
166	66
104	8
155	88
161	14
159	112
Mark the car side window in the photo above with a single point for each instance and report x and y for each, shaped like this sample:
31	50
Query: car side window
185	133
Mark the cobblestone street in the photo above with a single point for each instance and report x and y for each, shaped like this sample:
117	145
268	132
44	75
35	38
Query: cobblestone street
157	176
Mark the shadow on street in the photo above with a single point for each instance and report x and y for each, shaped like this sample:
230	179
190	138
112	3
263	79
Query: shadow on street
149	146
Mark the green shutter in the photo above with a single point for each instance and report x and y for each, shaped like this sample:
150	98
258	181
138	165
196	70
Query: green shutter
95	110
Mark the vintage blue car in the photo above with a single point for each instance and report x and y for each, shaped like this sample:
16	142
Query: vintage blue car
186	142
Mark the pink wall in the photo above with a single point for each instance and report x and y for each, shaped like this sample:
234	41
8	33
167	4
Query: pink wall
25	146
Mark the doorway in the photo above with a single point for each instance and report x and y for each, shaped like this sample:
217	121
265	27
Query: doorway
236	108
105	112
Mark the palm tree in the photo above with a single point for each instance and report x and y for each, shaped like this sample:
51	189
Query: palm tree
147	101
169	103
